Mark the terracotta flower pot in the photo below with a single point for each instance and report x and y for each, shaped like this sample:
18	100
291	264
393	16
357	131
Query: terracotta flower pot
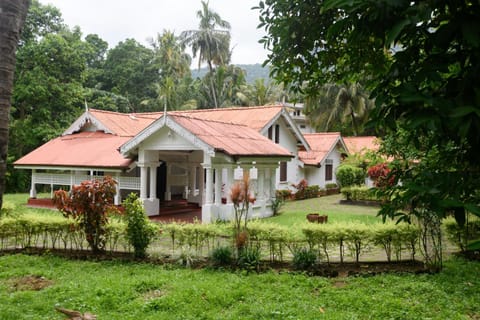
313	217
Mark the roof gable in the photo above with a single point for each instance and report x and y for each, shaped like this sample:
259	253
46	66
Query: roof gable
211	136
361	144
322	144
120	124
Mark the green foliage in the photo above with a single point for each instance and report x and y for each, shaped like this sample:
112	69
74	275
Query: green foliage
421	66
119	290
249	258
140	231
284	194
348	175
89	204
462	235
222	256
331	185
304	191
304	259
357	193
277	204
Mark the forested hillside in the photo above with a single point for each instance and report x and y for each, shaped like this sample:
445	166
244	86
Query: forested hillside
252	72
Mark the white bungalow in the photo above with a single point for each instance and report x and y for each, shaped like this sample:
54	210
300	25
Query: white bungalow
193	155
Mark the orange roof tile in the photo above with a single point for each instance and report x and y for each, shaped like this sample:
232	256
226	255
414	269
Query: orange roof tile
124	124
232	139
254	117
361	144
321	144
84	149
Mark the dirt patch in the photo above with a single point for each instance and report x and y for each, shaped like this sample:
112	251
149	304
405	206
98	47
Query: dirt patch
29	282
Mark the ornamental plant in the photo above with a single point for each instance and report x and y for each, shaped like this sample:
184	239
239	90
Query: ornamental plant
89	204
381	175
241	197
140	231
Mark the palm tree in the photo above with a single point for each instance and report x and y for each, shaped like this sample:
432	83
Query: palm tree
211	44
12	18
335	106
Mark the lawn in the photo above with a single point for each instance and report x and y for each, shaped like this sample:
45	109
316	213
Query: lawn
116	290
294	212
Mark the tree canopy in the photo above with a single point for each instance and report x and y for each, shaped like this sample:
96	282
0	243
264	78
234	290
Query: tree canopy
421	61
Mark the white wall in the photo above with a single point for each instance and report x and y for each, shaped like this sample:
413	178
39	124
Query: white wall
316	176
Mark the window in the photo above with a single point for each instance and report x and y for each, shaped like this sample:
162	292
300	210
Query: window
283	171
328	170
270	133
277	133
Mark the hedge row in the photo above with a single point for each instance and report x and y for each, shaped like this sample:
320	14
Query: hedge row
198	240
359	193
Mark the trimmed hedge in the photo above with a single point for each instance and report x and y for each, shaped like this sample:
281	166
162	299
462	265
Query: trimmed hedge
359	193
199	240
348	175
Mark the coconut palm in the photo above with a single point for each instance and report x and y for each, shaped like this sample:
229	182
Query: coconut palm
337	106
12	18
211	41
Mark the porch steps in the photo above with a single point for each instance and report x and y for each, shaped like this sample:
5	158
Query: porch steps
178	210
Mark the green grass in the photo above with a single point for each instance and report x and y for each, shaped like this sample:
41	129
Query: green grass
116	290
294	212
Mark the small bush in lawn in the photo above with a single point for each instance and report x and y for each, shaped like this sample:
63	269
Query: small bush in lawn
348	175
249	258
304	259
139	230
222	256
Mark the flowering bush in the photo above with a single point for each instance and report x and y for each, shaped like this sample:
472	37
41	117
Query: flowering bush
381	175
89	204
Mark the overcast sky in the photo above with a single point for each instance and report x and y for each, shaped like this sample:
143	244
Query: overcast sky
117	20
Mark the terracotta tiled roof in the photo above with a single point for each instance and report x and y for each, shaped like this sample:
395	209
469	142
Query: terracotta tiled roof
254	117
125	124
232	139
321	144
84	149
361	144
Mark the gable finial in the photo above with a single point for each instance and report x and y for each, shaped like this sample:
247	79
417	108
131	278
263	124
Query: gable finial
86	105
165	110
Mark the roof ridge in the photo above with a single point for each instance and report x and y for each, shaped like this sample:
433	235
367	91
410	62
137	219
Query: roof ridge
188	116
137	114
226	109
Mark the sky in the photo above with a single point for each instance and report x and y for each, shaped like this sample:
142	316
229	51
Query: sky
117	20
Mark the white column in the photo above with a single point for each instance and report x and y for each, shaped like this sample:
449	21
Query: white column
228	184
273	183
143	181
209	185
153	181
218	186
260	184
117	199
168	192
33	191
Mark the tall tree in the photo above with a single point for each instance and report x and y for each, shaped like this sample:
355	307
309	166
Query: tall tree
174	73
343	107
130	71
211	43
12	18
422	60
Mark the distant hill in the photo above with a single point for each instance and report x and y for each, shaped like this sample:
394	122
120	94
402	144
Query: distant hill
253	72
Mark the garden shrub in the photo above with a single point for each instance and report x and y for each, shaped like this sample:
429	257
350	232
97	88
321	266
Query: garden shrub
304	259
381	175
222	256
331	185
140	231
462	235
348	175
359	193
249	258
89	204
284	194
300	187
